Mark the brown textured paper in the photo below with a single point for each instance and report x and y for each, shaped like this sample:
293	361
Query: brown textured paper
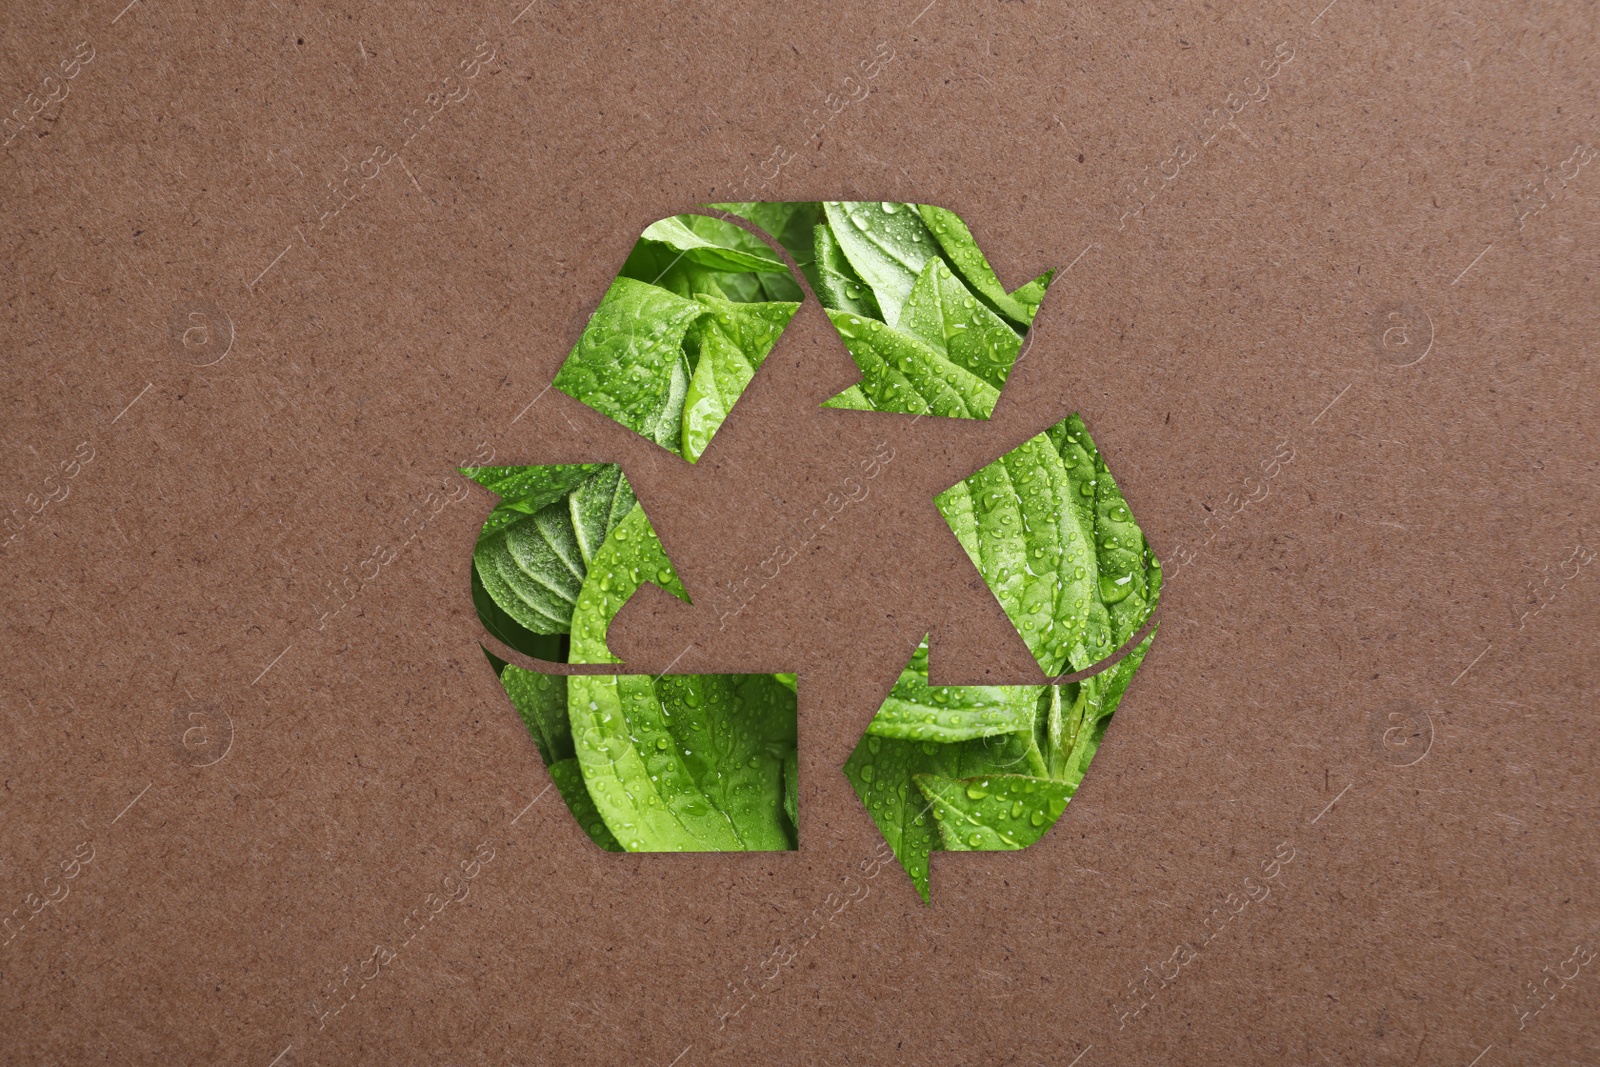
1326	302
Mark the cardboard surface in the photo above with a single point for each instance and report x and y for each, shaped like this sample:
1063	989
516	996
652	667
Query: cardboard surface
1340	358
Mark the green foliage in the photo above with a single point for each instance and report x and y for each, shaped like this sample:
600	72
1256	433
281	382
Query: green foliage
686	762
1050	532
991	767
680	333
535	548
667	763
909	783
998	811
915	301
710	762
672	763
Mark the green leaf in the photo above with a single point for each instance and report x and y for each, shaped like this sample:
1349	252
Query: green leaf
507	630
883	769
1129	575
887	245
904	374
630	556
541	701
917	711
943	312
686	762
714	244
568	777
760	288
992	813
697	307
734	340
629	364
695	255
791	790
1051	534
878	265
524	490
1060	721
534	554
1015	519
597	506
852	399
905	782
1101	694
884	764
765	284
533	569
790	223
1056	544
836	282
962	251
1031	295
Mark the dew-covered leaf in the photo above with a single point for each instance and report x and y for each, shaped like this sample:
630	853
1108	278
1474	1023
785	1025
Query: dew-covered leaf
917	711
696	255
508	631
1127	572
882	770
568	778
541	701
697	307
958	246
1015	519
714	244
625	363
524	490
1054	540
631	556
836	282
533	569
686	762
886	244
1101	693
533	555
993	812
790	223
791	790
675	762
1051	535
734	340
943	313
907	305
903	374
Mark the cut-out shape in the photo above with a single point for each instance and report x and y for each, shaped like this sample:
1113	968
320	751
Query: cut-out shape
977	768
673	763
913	298
696	308
554	529
709	762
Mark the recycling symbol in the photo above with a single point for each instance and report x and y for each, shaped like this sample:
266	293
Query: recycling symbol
707	762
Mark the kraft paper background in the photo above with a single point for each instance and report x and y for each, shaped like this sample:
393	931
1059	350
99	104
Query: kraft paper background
1338	350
